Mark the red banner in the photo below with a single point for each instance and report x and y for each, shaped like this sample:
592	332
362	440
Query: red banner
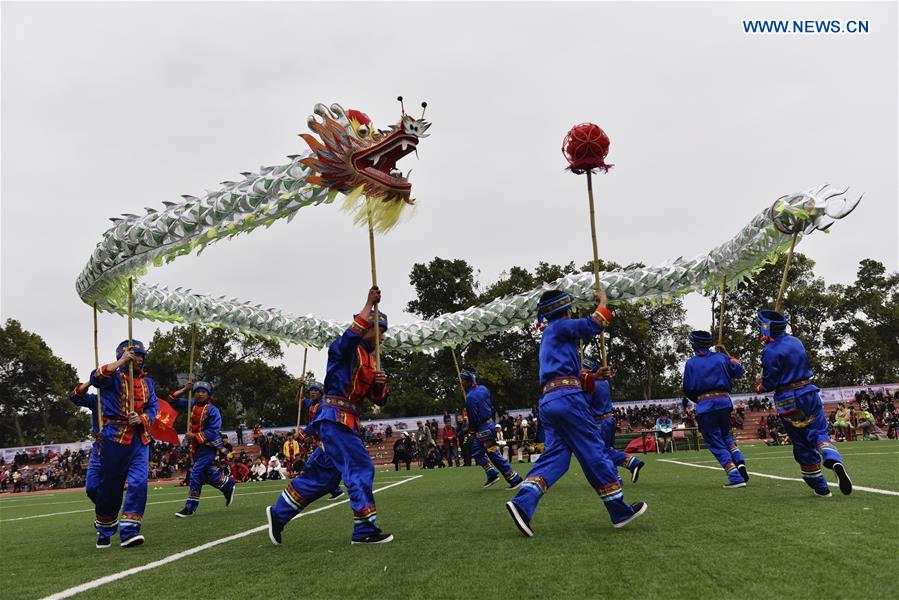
163	428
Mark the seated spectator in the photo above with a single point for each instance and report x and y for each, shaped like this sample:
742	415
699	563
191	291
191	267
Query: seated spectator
258	471
664	429
240	472
841	423
275	470
866	424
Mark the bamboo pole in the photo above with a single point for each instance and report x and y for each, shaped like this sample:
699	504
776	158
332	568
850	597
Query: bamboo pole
374	283
458	374
130	343
721	312
783	280
190	373
302	389
602	335
97	366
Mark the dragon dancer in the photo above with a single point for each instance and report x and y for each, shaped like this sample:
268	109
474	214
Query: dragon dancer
484	449
597	376
564	412
708	378
786	372
206	441
124	445
79	397
311	404
351	378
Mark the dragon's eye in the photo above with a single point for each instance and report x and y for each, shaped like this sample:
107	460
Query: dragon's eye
363	130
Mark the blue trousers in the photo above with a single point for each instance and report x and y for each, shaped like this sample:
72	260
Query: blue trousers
486	454
811	443
121	463
570	429
715	428
203	472
607	428
92	479
341	455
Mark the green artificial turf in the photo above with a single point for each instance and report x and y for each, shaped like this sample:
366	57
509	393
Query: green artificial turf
773	539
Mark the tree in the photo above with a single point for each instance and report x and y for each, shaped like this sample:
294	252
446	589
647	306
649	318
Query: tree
34	408
246	386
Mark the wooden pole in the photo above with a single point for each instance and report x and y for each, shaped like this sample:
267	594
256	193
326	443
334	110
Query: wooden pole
721	312
130	343
602	335
374	282
783	280
458	374
302	387
190	373
97	366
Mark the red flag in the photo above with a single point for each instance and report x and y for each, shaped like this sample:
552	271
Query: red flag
162	428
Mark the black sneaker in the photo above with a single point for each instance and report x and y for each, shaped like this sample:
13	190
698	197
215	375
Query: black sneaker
515	482
274	527
184	513
375	538
843	478
635	474
229	496
743	471
336	494
103	542
132	542
733	486
639	509
491	480
521	521
823	494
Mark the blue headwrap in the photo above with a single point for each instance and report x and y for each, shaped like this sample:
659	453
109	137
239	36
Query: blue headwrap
553	306
382	319
701	339
772	323
590	364
136	346
203	385
468	374
317	386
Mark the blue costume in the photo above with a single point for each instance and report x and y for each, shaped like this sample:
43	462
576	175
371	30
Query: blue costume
484	448
564	412
342	453
600	401
124	450
786	372
707	382
206	425
80	397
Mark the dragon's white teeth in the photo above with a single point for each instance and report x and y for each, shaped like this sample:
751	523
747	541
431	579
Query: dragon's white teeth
404	145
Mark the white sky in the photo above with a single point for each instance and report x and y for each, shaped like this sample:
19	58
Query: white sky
108	108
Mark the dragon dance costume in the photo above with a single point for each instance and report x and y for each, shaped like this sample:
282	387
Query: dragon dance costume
205	422
124	450
484	448
79	397
707	382
342	454
564	412
600	401
311	405
786	372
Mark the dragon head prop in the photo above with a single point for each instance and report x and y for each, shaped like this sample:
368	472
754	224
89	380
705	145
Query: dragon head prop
352	157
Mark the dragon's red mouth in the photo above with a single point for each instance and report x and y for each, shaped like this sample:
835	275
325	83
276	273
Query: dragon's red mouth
378	162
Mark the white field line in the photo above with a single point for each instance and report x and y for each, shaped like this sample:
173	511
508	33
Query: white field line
789	457
778	477
180	491
182	497
90	585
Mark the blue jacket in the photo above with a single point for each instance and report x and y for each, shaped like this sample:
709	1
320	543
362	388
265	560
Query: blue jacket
560	354
601	399
785	361
88	401
478	407
349	378
114	389
205	423
710	371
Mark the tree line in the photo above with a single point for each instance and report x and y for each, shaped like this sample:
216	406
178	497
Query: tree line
851	332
